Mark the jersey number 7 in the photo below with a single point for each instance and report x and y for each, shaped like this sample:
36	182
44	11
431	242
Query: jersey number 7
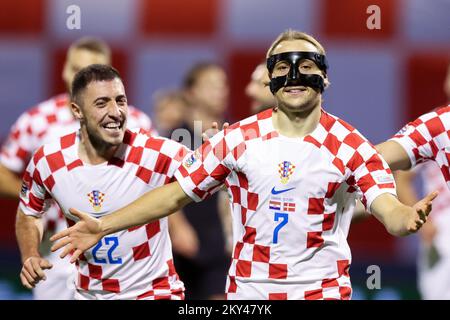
284	220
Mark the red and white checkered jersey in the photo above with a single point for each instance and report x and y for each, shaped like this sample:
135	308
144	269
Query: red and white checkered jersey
136	263
428	138
292	201
42	124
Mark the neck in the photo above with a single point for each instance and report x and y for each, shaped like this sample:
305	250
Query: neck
92	151
296	124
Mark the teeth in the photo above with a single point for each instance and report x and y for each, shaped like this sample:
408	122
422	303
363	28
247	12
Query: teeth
112	125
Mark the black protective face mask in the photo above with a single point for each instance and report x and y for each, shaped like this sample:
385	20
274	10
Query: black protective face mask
294	76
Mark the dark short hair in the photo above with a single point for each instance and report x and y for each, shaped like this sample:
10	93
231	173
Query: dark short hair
94	72
93	45
194	73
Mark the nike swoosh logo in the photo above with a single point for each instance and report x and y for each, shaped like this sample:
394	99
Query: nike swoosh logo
280	191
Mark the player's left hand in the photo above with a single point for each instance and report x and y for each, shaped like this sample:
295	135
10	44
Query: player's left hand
423	209
209	133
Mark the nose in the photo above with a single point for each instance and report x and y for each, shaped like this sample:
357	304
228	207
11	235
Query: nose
294	72
114	110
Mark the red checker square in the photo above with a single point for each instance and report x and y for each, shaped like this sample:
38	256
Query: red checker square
51	118
339	164
375	163
74	164
278	296
221	150
346	125
233	286
266	114
313	141
38	155
352	20
95	271
36	203
152	229
316	205
83	282
314	239
32	17
141	251
277	271
163	164
220	173
250	235
252	200
327	121
329	283
314	294
243	181
328	221
237	250
236	193
68	141
354	140
250	131
55	161
22	153
129	137
366	182
332	187
154	144
176	17
135	155
37	177
332	144
418	139
435	126
161	283
49	182
243	215
199	193
243	268
144	174
199	175
355	161
182	152
343	268
150	293
446	172
345	292
111	285
171	266
261	253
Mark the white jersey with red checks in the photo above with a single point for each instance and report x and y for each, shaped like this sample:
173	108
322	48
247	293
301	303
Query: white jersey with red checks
292	201
42	124
428	138
131	264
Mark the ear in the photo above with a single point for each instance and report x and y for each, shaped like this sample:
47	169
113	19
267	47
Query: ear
76	111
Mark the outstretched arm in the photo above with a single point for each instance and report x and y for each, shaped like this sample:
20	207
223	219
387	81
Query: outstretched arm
153	205
395	155
399	219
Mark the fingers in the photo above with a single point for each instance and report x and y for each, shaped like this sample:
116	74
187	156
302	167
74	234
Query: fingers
25	281
60	235
45	264
431	196
38	270
225	126
67	249
75	255
28	278
61	244
215	126
76	213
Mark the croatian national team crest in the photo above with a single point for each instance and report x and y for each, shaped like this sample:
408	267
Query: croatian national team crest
96	199
285	169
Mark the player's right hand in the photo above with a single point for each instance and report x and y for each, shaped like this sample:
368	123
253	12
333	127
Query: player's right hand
81	236
33	271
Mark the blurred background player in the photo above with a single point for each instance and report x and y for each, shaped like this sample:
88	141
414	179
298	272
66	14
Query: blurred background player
205	90
101	167
170	111
46	122
434	251
258	90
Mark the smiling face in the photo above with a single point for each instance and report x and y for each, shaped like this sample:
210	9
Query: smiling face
296	98
103	111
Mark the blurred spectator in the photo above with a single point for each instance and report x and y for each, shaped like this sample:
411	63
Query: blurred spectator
170	110
258	90
204	274
434	252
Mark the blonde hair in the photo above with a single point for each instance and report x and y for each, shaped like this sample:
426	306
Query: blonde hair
290	35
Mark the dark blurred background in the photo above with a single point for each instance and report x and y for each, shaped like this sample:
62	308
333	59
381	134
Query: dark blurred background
380	78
